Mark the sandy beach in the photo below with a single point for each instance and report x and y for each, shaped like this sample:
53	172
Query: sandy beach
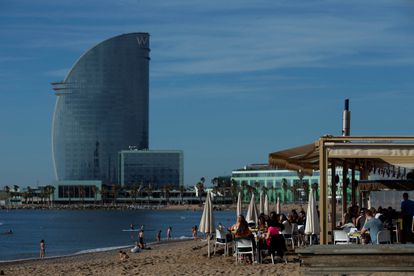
173	258
187	257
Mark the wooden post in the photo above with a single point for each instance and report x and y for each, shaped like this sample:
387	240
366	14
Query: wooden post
323	200
344	188
353	192
333	199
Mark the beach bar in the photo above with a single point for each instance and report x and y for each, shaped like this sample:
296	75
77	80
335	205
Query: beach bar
366	154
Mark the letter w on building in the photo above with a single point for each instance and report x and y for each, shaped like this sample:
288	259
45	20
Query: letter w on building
142	41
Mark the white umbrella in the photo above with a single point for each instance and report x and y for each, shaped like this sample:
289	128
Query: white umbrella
278	206
266	205
207	220
239	205
312	219
261	204
252	214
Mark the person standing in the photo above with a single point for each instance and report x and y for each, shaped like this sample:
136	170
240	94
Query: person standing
42	249
169	230
407	213
141	238
159	236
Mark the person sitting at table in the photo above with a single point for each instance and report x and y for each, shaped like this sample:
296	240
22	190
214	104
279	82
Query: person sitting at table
261	226
372	225
302	218
360	221
235	226
274	238
287	225
243	232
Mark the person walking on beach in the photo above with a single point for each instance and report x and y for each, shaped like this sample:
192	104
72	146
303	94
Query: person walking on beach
407	213
42	249
141	239
159	236
169	230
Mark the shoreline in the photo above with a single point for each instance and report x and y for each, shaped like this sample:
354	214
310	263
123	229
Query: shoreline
93	250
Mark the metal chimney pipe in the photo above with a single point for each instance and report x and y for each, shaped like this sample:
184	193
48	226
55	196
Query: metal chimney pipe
346	120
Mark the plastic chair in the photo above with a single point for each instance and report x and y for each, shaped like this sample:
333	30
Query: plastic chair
221	240
384	236
340	237
290	237
244	247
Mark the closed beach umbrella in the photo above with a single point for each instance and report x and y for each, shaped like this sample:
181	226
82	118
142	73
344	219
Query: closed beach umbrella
278	206
207	220
312	219
239	205
252	214
261	204
266	205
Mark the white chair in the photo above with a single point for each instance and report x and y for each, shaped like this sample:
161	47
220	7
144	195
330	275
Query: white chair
244	247
221	240
290	237
384	236
340	237
396	229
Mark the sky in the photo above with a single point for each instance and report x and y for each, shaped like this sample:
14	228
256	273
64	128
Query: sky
230	81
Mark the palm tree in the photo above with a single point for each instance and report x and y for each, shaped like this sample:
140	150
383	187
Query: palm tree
315	187
149	190
104	193
166	189
306	189
95	191
295	189
181	188
82	193
200	188
115	190
285	188
30	194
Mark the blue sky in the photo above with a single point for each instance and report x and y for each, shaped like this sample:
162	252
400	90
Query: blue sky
230	81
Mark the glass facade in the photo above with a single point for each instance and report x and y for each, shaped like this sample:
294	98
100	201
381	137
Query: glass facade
77	190
158	168
101	109
273	181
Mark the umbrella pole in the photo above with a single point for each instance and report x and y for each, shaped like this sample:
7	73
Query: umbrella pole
208	244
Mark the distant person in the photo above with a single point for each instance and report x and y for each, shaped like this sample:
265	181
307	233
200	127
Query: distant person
159	236
136	248
195	230
407	213
141	239
42	249
131	227
169	230
372	225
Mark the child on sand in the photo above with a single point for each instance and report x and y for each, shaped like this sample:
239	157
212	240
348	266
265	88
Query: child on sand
42	249
195	229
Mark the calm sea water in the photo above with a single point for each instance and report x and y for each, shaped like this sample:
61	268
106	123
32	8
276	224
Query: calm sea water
72	231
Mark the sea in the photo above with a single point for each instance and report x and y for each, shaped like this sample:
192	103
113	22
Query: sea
68	232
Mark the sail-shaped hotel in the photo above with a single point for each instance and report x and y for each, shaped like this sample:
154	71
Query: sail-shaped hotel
101	109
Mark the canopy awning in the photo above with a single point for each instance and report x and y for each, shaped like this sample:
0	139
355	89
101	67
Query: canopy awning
306	158
303	158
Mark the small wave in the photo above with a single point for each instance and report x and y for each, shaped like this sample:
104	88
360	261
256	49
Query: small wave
1	223
182	217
